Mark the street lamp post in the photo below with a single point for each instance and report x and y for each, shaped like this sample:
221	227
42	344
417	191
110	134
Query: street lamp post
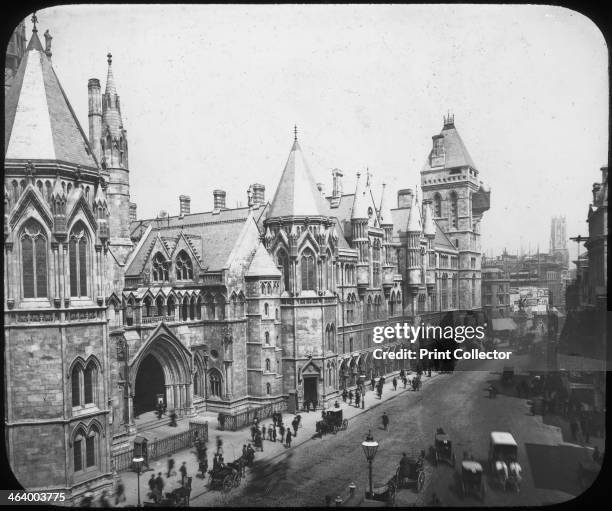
370	446
138	466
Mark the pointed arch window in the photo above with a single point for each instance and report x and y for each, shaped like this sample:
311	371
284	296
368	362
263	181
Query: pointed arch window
268	389
266	309
75	379
199	308
34	260
437	205
184	267
454	211
267	337
307	264
160	268
148	307
185	309
192	307
268	365
159	303
215	383
78	249
282	261
170	305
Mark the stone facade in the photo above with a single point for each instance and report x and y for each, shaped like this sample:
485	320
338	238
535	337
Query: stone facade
106	314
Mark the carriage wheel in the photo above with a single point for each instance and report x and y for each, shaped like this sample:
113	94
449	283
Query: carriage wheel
345	424
391	494
421	481
227	483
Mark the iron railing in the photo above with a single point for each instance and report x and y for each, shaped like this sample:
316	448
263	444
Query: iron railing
245	418
163	446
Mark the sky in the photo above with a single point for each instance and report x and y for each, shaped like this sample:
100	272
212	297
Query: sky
210	95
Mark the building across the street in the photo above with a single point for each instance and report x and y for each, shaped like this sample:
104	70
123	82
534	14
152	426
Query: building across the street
107	314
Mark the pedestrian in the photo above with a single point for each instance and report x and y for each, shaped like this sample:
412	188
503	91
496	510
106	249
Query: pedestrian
152	483
219	445
270	433
385	420
405	381
170	467
160	410
344	395
314	405
183	471
253	429
173	419
372	383
104	499
274	434
574	428
159	484
295	425
288	438
394	383
281	430
120	490
350	396
263	432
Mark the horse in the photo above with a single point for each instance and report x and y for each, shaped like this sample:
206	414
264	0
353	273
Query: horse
514	475
501	470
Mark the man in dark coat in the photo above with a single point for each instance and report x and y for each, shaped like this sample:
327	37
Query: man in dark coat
281	430
170	467
357	398
295	423
385	420
183	471
263	432
394	383
288	438
344	395
350	396
159	484
372	383
152	483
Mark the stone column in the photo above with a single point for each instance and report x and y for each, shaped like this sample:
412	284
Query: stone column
183	398
169	397
7	271
191	411
130	410
176	396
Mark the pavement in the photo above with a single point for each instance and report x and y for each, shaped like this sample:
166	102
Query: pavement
234	440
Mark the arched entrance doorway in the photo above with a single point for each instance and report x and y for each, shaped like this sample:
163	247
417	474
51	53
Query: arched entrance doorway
150	383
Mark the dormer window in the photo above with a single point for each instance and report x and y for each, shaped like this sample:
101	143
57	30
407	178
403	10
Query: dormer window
438	146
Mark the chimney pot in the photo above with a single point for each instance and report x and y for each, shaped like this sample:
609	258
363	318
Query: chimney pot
337	183
185	205
132	212
219	199
258	196
404	198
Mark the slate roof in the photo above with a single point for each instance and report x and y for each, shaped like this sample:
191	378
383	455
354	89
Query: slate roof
40	123
400	222
297	193
212	236
456	153
262	264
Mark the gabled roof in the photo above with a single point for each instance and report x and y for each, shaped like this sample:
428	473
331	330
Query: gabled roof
456	154
262	264
40	123
297	193
212	236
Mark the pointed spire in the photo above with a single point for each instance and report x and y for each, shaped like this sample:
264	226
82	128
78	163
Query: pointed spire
295	131
110	79
384	212
360	203
414	217
297	193
34	43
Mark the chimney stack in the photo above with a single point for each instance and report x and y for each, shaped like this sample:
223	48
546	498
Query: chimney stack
185	205
219	199
404	198
133	212
95	116
258	196
337	183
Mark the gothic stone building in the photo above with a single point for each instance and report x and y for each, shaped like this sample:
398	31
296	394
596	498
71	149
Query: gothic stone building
106	314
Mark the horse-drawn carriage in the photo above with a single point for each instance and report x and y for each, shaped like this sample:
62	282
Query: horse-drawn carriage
225	476
331	422
411	471
442	450
471	479
179	497
503	460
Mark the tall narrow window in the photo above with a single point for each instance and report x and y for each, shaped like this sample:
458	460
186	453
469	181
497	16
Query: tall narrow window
454	211
192	306
78	262
159	303
437	205
307	264
147	307
267	365
185	313
215	383
160	268
78	454
75	380
473	290
282	261
268	389
455	290
199	308
89	379
90	448
184	268
34	261
444	291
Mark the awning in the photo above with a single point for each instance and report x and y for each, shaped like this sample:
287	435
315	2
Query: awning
500	324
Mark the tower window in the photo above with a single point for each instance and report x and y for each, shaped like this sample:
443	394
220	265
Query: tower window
34	261
437	205
454	211
78	248
307	264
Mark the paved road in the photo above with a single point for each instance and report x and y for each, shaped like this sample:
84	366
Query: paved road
304	475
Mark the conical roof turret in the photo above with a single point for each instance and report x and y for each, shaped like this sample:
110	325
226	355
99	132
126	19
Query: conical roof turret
414	217
360	202
384	212
297	193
